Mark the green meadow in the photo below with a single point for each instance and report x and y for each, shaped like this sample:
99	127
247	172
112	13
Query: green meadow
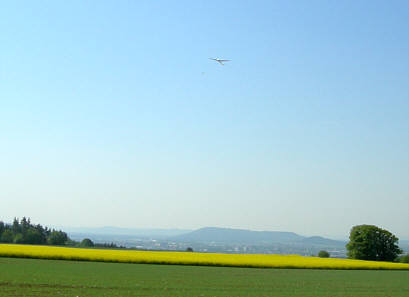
46	278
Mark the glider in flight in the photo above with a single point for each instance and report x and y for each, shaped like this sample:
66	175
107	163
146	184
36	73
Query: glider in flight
221	61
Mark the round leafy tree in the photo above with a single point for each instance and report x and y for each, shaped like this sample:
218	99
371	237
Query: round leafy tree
368	242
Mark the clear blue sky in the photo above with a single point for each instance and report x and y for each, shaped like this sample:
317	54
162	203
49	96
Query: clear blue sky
112	114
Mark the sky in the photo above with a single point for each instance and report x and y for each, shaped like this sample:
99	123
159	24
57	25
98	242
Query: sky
111	114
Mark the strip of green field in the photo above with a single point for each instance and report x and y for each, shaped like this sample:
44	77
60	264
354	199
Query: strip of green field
186	258
46	278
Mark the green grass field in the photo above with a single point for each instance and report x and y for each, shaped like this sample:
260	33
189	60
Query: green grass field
46	278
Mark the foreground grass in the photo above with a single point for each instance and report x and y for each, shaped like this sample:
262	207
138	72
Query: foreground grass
186	258
46	278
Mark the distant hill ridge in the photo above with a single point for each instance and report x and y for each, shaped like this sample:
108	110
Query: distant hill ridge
318	240
214	234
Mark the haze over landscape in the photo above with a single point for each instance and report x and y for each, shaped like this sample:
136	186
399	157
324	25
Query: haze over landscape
111	114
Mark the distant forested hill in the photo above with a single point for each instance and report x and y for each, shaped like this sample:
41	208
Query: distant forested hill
213	234
227	235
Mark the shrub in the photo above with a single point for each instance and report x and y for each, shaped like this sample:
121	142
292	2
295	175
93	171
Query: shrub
323	254
404	258
86	242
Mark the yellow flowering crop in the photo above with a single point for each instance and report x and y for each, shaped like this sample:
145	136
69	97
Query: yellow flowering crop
189	258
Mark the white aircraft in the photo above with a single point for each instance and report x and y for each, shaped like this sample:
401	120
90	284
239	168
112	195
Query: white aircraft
219	60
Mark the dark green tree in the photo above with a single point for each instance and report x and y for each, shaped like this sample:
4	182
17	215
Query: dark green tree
16	226
7	236
2	227
323	254
24	225
18	238
57	238
368	242
86	242
33	236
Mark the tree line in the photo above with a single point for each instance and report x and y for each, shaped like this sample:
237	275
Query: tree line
25	232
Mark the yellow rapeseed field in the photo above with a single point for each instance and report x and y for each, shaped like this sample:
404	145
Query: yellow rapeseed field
189	258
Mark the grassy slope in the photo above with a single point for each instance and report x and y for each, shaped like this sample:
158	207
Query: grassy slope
46	278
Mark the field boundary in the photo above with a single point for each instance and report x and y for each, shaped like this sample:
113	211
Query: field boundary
194	259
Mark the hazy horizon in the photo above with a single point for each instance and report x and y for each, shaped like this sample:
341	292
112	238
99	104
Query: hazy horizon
112	114
70	229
